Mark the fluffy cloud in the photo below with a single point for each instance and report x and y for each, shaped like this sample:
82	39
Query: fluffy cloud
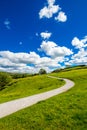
7	63
48	62
61	17
45	35
20	57
55	57
51	2
26	62
53	50
79	61
80	58
48	11
25	69
16	62
81	53
79	43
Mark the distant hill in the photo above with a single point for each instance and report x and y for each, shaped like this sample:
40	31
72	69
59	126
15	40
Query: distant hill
70	68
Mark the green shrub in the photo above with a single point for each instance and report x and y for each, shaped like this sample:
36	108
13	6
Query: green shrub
4	79
42	71
19	75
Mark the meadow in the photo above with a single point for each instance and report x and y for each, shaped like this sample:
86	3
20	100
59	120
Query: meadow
23	87
67	111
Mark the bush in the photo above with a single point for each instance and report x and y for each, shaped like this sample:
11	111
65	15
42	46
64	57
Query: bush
19	75
4	80
42	71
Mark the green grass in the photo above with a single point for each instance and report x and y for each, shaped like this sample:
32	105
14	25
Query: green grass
67	111
70	68
28	86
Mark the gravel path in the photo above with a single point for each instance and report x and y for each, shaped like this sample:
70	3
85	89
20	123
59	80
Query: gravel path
16	105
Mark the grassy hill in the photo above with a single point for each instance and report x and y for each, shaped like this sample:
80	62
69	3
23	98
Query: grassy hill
67	111
22	87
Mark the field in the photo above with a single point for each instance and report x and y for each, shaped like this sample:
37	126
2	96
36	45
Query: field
24	87
67	111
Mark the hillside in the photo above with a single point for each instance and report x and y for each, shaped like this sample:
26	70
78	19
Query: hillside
23	87
67	111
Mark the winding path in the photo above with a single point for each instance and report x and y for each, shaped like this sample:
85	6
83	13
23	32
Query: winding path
16	105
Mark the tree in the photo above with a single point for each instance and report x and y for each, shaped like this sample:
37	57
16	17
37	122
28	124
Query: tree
42	71
4	79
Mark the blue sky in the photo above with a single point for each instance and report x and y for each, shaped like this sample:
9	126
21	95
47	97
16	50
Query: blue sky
45	34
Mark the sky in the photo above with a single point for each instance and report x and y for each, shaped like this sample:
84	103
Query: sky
48	34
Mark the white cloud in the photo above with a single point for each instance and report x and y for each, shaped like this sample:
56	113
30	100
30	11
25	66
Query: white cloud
51	2
48	11
81	53
53	50
47	62
20	57
26	69
55	57
45	35
84	40
61	17
68	64
7	63
25	62
80	58
79	61
79	43
7	24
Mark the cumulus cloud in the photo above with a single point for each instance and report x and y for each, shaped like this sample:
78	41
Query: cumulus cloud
18	62
19	57
53	50
55	56
26	62
48	62
48	11
79	61
7	24
7	63
61	17
51	2
80	58
45	35
25	69
84	40
81	53
79	43
68	64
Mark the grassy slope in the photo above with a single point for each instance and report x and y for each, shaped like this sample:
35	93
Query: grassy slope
67	111
28	86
